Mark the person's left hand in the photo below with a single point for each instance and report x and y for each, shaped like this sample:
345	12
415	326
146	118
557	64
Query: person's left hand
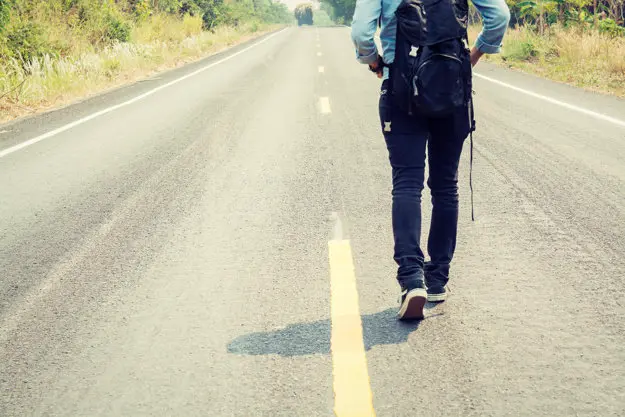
377	67
476	54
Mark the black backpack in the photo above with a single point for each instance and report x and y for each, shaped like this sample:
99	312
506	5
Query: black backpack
431	73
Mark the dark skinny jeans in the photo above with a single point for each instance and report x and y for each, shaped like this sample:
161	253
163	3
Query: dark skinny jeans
407	138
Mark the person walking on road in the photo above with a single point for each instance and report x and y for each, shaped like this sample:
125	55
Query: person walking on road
415	116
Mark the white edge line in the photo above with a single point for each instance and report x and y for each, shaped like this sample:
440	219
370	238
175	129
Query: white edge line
78	122
554	101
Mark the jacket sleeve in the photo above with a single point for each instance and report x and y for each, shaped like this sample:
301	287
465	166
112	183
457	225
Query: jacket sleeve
496	17
364	25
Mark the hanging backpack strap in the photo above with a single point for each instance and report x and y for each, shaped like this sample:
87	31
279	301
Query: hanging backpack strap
472	129
471	177
472	121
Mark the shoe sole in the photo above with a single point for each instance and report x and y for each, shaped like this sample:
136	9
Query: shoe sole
437	298
412	307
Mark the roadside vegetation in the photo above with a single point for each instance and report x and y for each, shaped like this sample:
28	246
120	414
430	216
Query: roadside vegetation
580	42
582	57
322	18
55	51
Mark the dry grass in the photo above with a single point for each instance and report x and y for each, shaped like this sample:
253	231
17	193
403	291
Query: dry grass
167	28
163	43
584	58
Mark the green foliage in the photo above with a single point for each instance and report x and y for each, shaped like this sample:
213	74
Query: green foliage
191	7
214	14
117	30
586	13
323	19
328	10
167	6
26	40
524	44
30	28
524	50
341	11
276	12
609	27
142	9
217	12
528	8
5	14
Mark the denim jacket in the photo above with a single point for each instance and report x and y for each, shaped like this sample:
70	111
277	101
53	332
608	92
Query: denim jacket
495	15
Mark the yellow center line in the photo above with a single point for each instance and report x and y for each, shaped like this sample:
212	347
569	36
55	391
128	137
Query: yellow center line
352	390
324	105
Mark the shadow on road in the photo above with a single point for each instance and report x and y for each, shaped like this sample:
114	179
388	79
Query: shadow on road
309	338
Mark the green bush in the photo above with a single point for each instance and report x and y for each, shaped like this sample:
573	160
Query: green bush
323	19
33	28
522	50
142	10
168	6
214	14
340	11
26	40
611	28
117	30
5	14
190	7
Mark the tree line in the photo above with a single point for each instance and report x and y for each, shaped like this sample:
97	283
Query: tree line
30	28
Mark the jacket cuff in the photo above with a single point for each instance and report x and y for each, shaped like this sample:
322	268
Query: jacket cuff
485	47
368	59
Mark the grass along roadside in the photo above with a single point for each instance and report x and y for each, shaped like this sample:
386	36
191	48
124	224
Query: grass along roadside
583	58
49	82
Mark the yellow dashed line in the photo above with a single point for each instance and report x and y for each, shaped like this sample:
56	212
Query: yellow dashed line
324	104
352	390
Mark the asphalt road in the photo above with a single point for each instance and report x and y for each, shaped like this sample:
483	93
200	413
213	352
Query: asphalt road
190	253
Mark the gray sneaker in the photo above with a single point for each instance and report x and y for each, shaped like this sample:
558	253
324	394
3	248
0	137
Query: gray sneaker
437	293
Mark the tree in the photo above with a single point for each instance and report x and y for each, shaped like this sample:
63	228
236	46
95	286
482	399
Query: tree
590	13
168	6
342	10
327	7
537	10
5	14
